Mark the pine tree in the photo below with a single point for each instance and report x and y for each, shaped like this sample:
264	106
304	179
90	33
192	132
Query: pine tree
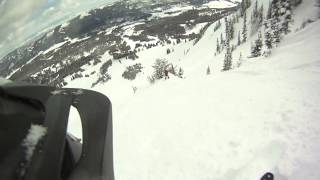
240	60
159	67
261	19
257	46
228	56
218	46
180	73
269	11
231	25
237	18
243	8
248	3
244	28
208	70
254	12
256	18
275	21
239	38
227	60
221	39
268	38
287	17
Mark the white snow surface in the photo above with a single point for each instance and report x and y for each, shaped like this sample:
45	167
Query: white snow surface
219	4
54	47
4	81
263	116
36	132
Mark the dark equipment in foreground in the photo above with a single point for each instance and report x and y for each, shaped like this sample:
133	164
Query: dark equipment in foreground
56	155
267	176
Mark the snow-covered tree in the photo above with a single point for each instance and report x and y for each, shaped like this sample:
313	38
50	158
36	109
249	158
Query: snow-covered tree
180	73
228	56
286	16
268	37
257	46
159	67
227	60
244	28
275	20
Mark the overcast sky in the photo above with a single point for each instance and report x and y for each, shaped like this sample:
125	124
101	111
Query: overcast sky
23	19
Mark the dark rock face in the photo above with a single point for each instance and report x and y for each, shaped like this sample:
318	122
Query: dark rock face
84	39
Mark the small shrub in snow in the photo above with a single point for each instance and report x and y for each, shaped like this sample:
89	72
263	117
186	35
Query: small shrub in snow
134	88
306	22
180	73
240	60
131	71
208	70
151	79
102	79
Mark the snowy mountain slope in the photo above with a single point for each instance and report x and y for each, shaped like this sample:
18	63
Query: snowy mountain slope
262	116
85	34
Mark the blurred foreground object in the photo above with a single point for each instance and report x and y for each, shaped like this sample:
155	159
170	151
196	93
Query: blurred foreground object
34	141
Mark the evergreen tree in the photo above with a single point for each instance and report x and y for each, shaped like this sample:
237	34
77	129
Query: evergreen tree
239	38
286	14
208	70
217	26
218	46
237	18
221	39
159	67
228	56
268	38
261	19
255	11
269	12
180	73
231	31
256	18
275	20
243	7
240	60
245	4
244	28
248	3
257	46
227	60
